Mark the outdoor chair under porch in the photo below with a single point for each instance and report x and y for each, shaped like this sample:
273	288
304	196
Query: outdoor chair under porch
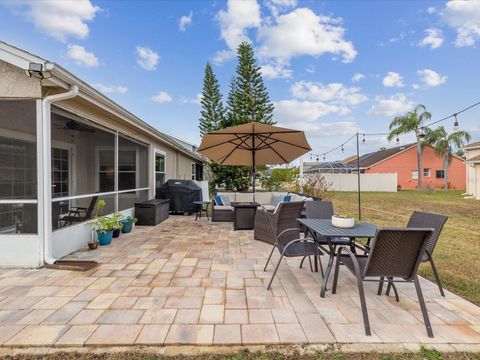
79	214
290	244
394	253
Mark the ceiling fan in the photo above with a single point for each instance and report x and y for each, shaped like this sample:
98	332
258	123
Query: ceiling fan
72	125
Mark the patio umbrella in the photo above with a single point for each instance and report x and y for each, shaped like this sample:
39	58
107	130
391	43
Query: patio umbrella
254	144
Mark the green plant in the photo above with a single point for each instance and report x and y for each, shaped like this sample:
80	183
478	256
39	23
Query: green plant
130	219
103	224
117	218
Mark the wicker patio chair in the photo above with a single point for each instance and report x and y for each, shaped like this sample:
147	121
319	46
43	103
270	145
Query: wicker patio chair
394	253
289	244
284	217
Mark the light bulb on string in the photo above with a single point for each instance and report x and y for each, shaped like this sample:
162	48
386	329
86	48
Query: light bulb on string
455	124
324	157
363	140
317	158
421	133
342	148
397	141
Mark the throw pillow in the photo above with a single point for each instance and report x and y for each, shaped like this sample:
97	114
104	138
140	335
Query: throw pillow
218	200
277	199
287	198
225	200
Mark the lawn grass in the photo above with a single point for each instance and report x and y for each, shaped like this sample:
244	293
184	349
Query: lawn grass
457	255
423	354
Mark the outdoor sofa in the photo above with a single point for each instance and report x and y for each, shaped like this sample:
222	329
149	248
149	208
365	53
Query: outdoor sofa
224	212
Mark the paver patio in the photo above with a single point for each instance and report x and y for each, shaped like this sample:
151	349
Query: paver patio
188	282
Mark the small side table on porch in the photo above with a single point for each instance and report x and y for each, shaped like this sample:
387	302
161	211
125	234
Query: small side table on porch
203	207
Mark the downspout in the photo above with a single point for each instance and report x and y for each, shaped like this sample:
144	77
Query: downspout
47	170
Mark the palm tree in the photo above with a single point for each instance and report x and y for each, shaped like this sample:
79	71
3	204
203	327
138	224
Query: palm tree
412	121
445	144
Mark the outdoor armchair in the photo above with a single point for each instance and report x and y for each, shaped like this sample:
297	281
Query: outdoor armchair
284	217
394	253
435	221
289	244
79	214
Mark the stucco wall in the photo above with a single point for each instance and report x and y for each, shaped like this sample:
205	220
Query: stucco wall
404	163
15	84
473	174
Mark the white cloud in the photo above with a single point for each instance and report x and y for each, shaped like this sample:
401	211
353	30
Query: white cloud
415	86
431	78
273	71
162	97
393	79
357	77
59	19
336	93
294	111
197	100
278	6
109	89
82	57
433	38
234	22
147	58
464	17
391	105
310	69
431	10
184	21
326	129
302	32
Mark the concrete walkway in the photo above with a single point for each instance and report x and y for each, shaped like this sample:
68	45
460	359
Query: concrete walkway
188	282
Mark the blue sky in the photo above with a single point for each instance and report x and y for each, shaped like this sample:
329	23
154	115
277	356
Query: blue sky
332	68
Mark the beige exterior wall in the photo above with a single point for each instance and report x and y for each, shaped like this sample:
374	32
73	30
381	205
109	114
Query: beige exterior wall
473	174
14	83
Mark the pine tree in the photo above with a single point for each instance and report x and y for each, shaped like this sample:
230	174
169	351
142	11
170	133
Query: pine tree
248	99
230	118
212	114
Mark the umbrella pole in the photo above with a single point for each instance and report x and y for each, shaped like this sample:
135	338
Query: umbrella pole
253	169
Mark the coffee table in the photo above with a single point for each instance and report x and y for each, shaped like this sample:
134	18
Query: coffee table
244	215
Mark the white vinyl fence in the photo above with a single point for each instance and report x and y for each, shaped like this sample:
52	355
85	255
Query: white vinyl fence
368	182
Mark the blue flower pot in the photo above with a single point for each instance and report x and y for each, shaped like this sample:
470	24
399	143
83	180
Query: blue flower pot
127	226
116	233
105	238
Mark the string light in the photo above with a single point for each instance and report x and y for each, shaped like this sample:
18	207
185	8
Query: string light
421	135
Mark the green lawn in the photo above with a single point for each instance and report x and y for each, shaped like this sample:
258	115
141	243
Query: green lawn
457	255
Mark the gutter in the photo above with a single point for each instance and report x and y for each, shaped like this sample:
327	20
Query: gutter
47	170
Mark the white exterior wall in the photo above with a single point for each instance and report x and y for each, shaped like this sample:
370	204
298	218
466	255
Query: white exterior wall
473	174
368	182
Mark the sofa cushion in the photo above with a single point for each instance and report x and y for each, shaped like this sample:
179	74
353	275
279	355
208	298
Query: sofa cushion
296	197
223	207
269	207
263	198
244	197
218	200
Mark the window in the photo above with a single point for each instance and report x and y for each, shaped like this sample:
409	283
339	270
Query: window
426	172
439	174
60	172
127	169
159	169
415	174
194	171
106	170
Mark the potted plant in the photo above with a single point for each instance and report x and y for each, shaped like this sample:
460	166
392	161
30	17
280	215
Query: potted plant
117	217
345	221
103	225
128	223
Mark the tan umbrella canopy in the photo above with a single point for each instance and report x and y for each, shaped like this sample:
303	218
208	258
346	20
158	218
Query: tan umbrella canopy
254	144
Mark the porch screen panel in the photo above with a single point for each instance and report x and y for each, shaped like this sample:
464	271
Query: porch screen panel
132	172
82	166
18	167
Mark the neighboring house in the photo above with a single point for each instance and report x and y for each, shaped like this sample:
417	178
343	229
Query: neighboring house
403	161
472	152
63	144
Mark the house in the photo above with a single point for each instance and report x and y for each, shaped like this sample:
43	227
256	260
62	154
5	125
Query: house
472	152
63	145
403	161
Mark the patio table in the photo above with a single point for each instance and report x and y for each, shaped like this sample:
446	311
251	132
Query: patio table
323	231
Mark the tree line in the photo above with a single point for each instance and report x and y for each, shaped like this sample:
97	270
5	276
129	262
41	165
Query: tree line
247	101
